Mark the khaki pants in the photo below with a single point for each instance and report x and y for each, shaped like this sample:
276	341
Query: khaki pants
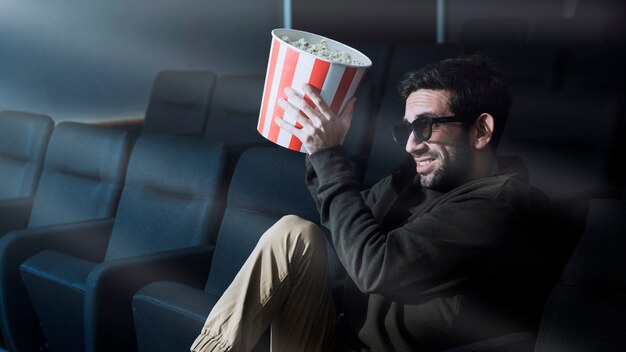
284	283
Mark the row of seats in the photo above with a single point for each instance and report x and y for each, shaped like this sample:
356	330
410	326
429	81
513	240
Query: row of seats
562	31
570	138
525	67
137	241
110	216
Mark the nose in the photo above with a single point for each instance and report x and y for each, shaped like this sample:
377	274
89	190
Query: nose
413	145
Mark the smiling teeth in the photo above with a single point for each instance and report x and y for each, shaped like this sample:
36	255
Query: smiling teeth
424	163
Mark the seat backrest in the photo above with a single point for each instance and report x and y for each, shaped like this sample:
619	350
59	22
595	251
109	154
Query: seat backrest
598	68
586	309
171	198
267	183
385	155
23	142
82	176
566	31
357	140
565	139
235	111
412	56
523	66
494	31
380	53
180	103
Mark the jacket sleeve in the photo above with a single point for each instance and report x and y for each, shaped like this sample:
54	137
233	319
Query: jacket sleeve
453	242
370	195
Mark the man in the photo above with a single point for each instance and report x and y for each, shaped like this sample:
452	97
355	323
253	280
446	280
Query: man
434	253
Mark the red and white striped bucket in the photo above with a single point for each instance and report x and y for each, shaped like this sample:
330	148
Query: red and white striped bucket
291	67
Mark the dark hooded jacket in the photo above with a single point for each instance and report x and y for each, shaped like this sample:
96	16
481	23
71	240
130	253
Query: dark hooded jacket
429	270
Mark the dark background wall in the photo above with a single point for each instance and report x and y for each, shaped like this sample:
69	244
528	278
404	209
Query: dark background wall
96	60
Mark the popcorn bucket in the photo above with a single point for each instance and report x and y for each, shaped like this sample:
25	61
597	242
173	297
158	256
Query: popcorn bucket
292	67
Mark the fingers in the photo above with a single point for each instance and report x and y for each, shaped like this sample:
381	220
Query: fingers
288	127
299	102
316	98
313	95
294	111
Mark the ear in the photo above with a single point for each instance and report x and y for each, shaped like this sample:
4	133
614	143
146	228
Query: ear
483	127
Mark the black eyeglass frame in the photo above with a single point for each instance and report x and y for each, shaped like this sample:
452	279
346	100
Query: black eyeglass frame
400	131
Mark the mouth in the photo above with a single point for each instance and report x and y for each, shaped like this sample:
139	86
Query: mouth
424	164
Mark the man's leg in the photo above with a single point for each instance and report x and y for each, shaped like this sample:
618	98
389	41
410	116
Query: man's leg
284	283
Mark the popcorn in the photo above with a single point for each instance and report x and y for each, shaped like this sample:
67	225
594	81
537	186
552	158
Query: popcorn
322	50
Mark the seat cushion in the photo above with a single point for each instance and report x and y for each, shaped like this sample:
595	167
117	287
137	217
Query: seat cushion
577	319
169	316
55	282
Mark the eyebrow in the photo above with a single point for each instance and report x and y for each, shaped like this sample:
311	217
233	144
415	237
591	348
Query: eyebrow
424	114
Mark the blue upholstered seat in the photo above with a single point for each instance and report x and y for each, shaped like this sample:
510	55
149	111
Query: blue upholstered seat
23	142
169	208
180	102
78	191
385	155
268	183
585	311
565	139
235	112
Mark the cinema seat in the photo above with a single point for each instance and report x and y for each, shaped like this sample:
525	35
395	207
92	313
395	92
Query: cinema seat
180	102
169	207
268	183
412	56
527	67
566	32
356	142
585	311
565	139
596	68
385	155
23	142
494	31
77	196
235	112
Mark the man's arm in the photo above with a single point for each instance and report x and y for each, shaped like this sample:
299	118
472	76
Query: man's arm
451	243
441	248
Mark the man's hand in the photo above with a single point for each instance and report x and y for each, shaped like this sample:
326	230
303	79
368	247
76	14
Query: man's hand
321	128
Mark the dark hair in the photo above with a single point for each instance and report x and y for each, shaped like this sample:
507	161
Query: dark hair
474	84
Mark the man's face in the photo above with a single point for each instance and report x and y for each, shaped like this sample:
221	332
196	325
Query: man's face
443	161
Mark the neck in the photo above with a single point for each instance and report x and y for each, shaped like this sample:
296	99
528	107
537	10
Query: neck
485	165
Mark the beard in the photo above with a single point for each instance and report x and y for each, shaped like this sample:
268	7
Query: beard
453	169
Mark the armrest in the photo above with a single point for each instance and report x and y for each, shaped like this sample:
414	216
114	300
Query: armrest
515	342
85	239
111	286
187	265
20	329
14	214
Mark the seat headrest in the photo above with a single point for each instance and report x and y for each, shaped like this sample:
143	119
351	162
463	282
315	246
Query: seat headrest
24	135
180	103
89	151
235	111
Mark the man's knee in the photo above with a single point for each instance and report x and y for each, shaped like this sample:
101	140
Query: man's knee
294	229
